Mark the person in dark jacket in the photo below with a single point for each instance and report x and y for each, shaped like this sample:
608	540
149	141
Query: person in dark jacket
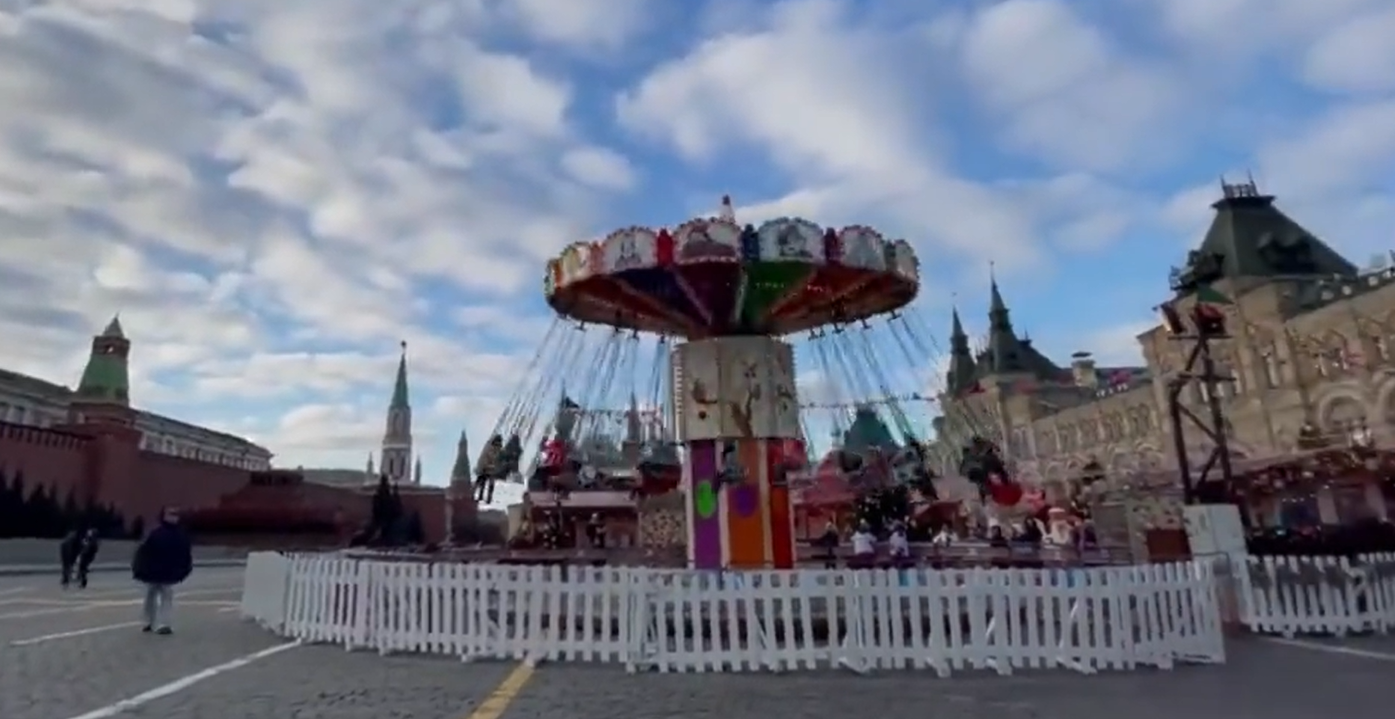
87	553
68	551
164	559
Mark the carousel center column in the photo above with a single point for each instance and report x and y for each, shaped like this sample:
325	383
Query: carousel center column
737	413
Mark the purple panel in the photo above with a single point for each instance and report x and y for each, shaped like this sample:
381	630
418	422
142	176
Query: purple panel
745	499
704	532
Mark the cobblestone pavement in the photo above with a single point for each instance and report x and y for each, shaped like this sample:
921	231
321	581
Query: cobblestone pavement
50	670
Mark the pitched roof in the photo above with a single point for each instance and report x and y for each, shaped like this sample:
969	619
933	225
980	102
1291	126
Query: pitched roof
1254	239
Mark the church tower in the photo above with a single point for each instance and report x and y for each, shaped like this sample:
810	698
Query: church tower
395	459
103	395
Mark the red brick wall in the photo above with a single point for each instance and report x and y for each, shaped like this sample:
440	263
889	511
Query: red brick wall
58	460
151	481
139	483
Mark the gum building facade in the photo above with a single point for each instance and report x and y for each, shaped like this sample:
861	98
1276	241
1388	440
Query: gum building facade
1311	357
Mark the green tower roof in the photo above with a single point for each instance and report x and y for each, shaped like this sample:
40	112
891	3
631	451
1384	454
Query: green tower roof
106	377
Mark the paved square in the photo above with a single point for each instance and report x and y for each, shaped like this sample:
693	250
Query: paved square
65	655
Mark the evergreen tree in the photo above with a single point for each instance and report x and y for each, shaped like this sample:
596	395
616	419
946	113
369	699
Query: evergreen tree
43	514
138	527
9	508
22	523
115	526
72	514
382	505
414	532
882	506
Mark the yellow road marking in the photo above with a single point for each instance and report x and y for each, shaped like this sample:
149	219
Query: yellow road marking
503	695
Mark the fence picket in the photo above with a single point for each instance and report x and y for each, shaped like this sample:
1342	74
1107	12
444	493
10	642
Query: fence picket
1000	620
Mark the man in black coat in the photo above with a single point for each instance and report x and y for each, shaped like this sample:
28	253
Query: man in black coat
87	554
68	554
163	560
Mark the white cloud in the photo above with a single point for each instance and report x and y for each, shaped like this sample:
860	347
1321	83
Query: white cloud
260	188
1356	55
828	101
599	167
580	23
1066	92
275	194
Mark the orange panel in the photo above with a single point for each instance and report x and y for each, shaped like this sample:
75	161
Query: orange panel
745	510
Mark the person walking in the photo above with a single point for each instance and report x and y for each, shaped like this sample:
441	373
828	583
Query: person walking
68	554
86	554
164	559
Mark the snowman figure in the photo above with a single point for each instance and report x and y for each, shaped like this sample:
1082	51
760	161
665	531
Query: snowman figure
790	245
629	254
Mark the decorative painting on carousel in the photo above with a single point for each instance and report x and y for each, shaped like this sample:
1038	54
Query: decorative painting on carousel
906	265
791	240
707	241
862	248
575	263
550	278
784	396
747	369
632	248
702	404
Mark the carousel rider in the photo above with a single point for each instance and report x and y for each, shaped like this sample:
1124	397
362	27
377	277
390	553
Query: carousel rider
982	465
909	467
506	464
485	467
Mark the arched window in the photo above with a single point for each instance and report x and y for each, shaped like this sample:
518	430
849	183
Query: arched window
1269	359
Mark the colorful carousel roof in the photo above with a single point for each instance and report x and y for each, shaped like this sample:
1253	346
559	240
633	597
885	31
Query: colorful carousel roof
714	277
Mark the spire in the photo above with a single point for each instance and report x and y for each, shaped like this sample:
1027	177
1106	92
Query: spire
959	377
460	471
395	459
957	335
106	378
997	308
399	390
727	212
1004	349
416	474
114	330
369	469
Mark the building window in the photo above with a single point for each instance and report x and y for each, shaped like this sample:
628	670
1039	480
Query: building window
1273	375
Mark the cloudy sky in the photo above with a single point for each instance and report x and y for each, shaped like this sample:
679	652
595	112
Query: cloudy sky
274	193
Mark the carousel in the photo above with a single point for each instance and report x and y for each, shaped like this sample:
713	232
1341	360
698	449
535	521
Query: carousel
680	400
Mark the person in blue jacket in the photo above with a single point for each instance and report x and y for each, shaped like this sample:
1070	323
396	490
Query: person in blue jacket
164	559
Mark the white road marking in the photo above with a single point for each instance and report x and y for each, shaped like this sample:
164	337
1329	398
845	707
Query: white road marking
137	592
69	635
14	590
45	612
1334	649
180	685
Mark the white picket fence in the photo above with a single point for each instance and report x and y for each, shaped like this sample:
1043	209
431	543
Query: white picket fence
1316	595
685	621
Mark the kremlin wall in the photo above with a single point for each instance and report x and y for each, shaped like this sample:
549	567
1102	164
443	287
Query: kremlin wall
90	443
